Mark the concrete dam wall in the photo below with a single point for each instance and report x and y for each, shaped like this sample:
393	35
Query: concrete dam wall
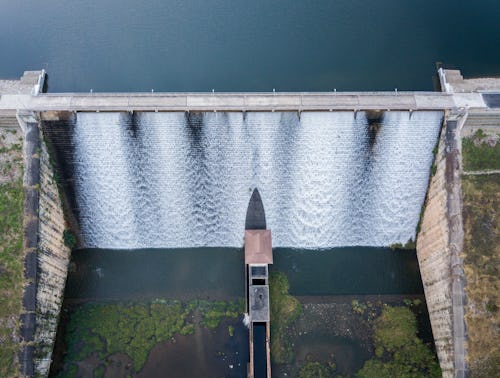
46	256
53	260
439	245
182	180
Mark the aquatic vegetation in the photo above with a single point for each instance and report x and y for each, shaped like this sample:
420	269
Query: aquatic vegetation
212	312
399	352
103	329
99	371
316	369
285	309
358	307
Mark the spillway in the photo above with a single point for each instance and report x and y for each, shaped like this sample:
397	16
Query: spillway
178	179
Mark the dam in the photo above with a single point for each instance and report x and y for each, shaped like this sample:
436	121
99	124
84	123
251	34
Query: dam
330	164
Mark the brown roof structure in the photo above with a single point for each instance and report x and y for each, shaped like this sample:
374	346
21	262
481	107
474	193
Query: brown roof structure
258	247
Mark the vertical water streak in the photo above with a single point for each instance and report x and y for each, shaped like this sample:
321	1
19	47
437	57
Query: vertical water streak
103	185
401	173
162	181
270	166
320	189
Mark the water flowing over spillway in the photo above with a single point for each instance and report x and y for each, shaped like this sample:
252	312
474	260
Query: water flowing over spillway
326	179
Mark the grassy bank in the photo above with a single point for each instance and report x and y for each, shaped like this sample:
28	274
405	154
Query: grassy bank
481	210
481	252
11	265
481	151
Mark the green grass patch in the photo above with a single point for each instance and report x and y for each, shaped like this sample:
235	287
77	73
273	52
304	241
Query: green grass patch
69	239
11	273
285	309
480	152
481	212
399	352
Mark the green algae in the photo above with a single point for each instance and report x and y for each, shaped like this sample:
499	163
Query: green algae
398	350
285	309
103	329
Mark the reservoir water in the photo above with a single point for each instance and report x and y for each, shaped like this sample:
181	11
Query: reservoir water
197	45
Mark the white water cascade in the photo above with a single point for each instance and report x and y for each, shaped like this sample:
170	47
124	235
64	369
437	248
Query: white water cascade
176	180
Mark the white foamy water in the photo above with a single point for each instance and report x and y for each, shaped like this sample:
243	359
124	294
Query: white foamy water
175	180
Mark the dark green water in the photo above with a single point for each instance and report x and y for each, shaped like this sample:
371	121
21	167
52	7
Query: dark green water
181	45
218	273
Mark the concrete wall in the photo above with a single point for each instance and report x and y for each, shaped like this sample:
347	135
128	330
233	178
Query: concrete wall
434	260
46	256
438	250
30	246
53	259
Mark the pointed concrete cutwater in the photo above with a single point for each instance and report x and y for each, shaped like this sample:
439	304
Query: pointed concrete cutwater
258	256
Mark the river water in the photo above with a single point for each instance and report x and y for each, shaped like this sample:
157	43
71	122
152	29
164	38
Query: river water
197	45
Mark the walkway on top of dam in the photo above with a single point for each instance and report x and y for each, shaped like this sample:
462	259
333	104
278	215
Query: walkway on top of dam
273	101
476	94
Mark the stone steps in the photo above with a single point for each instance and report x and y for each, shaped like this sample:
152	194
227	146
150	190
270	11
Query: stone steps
9	122
485	120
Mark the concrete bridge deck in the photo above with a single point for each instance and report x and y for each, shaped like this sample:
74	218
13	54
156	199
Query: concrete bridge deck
208	102
15	95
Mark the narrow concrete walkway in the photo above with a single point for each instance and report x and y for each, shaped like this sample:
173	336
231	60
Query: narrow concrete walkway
208	102
483	172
